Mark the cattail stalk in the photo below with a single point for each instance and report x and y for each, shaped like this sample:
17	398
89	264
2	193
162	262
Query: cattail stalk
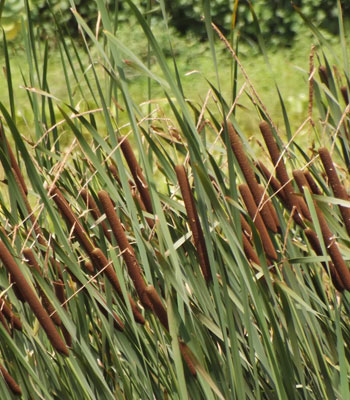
290	197
101	261
312	184
259	223
316	245
274	183
136	172
32	300
338	189
10	316
128	253
14	163
60	294
345	94
194	222
329	240
250	178
249	251
16	390
72	220
91	204
30	259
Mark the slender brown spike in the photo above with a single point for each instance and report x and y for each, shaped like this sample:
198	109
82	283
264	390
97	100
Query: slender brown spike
249	251
249	175
32	300
188	357
194	222
60	294
136	172
338	189
131	262
345	94
36	227
322	71
312	184
246	227
138	199
91	204
72	220
31	261
258	221
16	390
301	181
89	267
276	186
4	323
14	163
100	260
270	208
157	305
10	316
333	250
291	199
315	244
57	267
115	174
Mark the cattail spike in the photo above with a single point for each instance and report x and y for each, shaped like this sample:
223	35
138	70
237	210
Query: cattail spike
338	189
249	175
194	222
16	390
32	300
10	316
258	221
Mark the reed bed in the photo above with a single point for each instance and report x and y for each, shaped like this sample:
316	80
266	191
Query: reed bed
171	266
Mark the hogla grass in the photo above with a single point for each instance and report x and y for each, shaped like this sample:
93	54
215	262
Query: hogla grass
264	216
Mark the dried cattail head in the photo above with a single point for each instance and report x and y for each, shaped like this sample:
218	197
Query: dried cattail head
157	305
136	172
32	300
16	390
323	73
10	316
194	222
132	264
345	94
312	184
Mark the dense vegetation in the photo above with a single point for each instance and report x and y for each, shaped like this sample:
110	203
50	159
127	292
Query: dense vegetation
159	250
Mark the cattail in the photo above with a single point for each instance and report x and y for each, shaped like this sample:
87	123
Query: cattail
157	305
89	267
194	222
131	262
136	172
249	175
60	294
188	357
32	300
91	204
338	189
246	227
323	73
249	251
14	163
4	323
139	201
102	263
114	172
10	316
57	267
290	197
16	390
31	261
258	221
312	184
268	204
72	220
333	250
316	245
274	183
345	94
